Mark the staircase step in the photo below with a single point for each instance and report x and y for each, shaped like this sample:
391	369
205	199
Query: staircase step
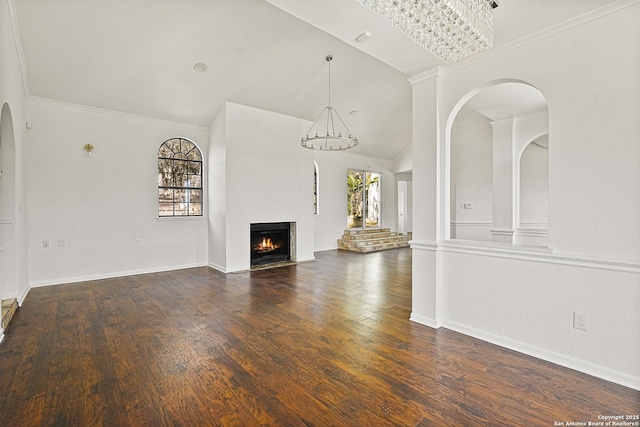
375	248
369	236
375	240
371	240
352	231
9	307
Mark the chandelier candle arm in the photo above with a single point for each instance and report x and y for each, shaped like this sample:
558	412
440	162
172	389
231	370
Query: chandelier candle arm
331	140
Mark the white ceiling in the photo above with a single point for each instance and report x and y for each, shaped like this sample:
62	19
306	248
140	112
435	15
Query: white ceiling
137	57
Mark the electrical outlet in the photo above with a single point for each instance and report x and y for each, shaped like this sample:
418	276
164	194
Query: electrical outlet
45	244
62	243
580	321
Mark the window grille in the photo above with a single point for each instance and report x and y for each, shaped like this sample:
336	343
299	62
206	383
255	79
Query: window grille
179	178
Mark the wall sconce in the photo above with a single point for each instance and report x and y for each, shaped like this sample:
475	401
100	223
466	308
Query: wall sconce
88	148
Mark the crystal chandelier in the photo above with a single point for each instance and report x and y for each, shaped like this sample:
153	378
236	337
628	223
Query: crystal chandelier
331	133
451	29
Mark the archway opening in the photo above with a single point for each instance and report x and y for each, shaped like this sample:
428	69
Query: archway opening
533	195
487	132
7	216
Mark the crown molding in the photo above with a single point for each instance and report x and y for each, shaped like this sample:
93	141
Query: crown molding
503	122
13	16
426	75
542	34
114	113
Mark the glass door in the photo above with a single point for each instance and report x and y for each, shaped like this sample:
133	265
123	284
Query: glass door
363	199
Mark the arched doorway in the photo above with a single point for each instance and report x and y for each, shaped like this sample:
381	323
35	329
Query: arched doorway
532	226
8	288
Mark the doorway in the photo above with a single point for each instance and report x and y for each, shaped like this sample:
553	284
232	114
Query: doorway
363	199
7	217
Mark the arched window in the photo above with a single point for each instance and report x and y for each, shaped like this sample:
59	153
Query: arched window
179	178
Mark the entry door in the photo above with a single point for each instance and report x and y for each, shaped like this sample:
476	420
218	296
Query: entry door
363	198
402	206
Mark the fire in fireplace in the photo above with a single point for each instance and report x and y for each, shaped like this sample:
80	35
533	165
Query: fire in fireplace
266	245
270	243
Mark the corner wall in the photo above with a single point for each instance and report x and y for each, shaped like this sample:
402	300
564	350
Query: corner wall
525	299
99	211
217	192
13	92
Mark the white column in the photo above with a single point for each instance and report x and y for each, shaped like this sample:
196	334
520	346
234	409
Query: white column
425	295
503	181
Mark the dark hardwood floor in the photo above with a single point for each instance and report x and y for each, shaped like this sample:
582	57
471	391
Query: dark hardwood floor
324	343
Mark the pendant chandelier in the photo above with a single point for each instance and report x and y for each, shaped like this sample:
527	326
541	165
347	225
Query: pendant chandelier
331	133
451	29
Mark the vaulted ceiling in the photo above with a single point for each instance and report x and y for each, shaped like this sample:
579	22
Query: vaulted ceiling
138	57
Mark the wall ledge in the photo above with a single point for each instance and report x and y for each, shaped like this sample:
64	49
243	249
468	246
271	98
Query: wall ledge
472	223
532	232
424	245
539	254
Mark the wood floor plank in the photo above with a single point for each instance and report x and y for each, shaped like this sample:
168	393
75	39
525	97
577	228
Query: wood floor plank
324	343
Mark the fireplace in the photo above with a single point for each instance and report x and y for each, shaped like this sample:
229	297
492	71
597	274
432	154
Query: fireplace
270	243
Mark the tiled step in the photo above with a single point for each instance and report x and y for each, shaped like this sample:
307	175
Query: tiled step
373	248
9	307
371	240
367	236
358	231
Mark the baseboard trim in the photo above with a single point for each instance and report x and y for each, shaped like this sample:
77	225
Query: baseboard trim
23	295
217	267
549	356
113	275
423	320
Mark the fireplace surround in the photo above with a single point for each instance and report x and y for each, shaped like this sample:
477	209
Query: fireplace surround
271	242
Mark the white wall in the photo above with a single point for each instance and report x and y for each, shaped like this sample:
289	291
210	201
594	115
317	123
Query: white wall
534	185
525	299
472	177
268	176
13	92
404	161
331	221
405	183
217	191
98	203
